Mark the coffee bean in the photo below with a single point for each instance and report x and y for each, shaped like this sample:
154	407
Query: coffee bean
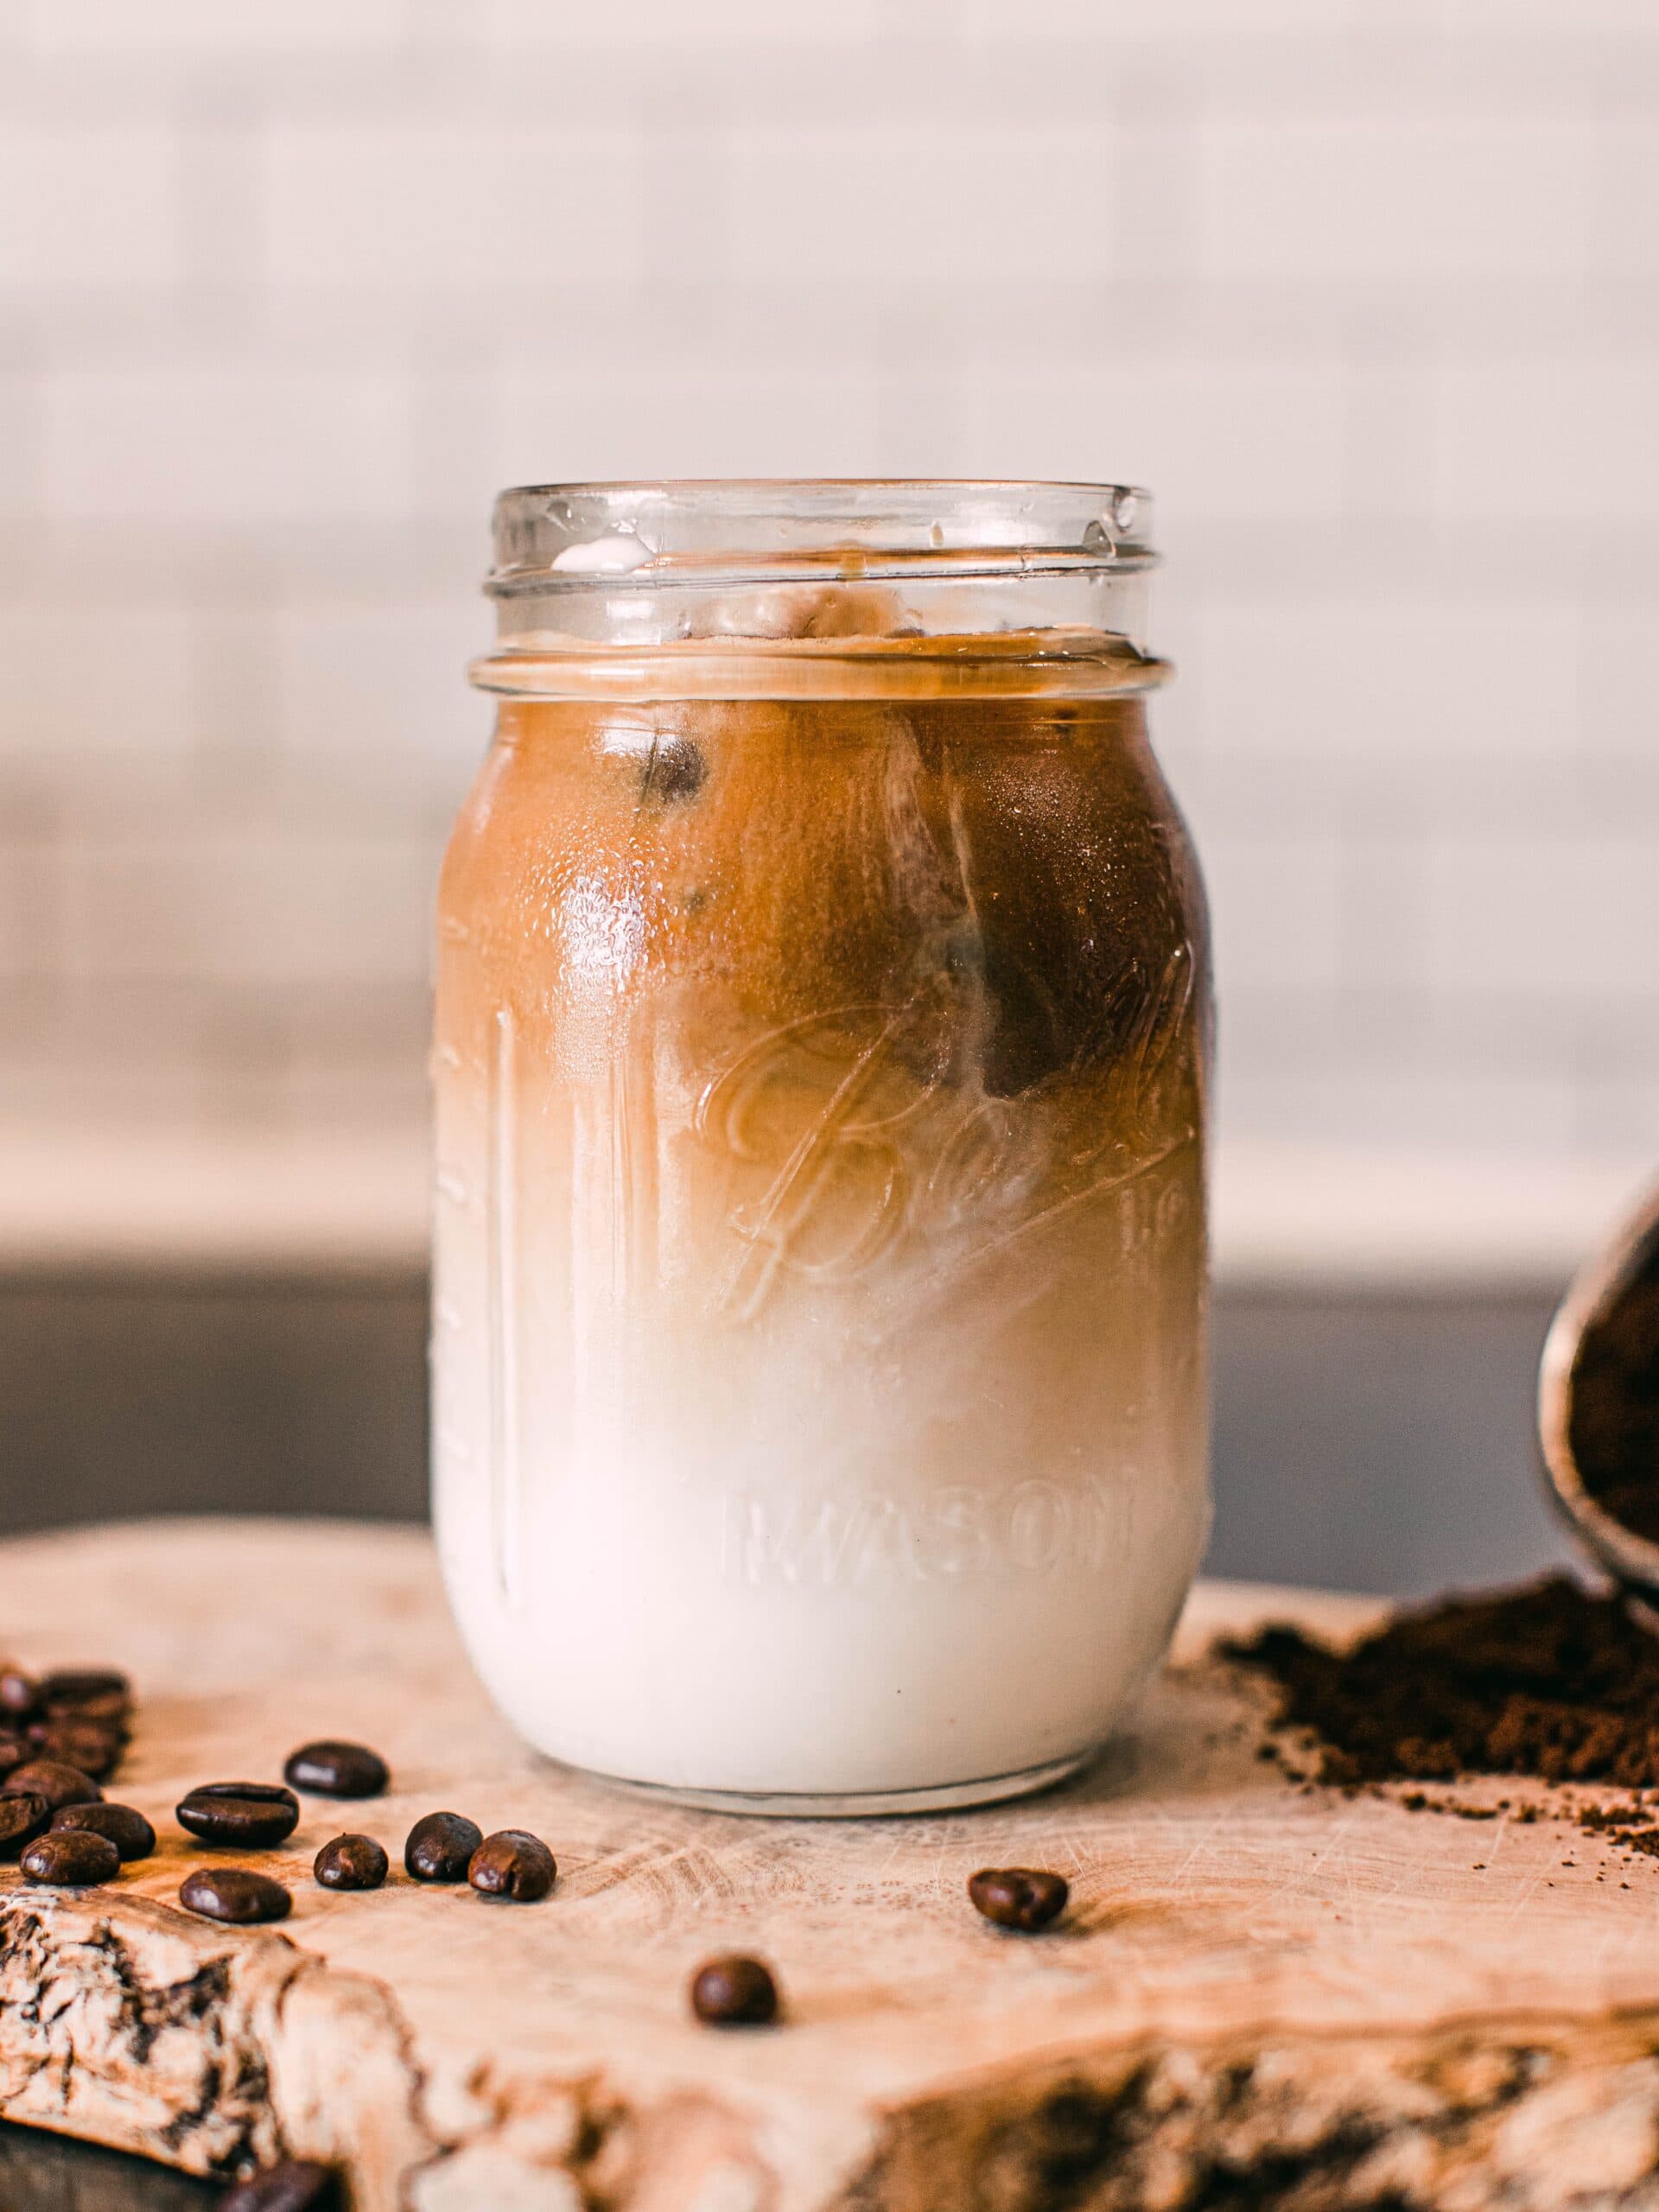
350	1862
296	2186
74	1860
512	1863
23	1817
735	1992
236	1894
13	1752
82	1688
440	1846
332	1770
246	1815
1019	1897
60	1784
129	1831
94	1750
112	1714
20	1693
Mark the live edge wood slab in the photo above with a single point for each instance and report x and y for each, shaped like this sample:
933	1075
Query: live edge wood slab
1260	1997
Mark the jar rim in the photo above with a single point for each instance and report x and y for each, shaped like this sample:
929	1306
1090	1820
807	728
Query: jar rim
634	536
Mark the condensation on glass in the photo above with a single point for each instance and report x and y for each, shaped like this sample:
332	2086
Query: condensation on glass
822	1030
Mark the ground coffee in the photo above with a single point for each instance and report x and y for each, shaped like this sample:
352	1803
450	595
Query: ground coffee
1550	1679
1614	1426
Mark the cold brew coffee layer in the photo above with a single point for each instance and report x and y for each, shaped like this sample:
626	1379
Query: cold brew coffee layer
820	1404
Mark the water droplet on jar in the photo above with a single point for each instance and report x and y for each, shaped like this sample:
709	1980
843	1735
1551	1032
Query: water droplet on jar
1125	508
1096	538
936	537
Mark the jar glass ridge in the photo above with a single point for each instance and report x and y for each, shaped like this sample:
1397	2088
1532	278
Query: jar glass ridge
821	1073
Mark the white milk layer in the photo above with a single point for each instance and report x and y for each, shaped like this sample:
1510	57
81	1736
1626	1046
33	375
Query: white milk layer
894	1481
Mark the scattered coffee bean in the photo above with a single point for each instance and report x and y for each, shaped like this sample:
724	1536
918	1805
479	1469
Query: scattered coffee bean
58	1783
439	1845
23	1817
13	1752
331	1770
735	1992
350	1862
512	1863
296	2186
20	1693
73	1859
82	1687
94	1750
245	1815
1019	1897
236	1894
129	1831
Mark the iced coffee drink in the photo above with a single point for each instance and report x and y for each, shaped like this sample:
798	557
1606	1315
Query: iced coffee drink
821	1063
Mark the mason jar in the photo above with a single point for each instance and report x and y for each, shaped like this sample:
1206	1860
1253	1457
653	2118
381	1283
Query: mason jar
822	1054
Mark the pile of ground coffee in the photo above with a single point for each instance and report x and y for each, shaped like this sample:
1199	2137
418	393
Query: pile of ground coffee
1614	1426
1550	1679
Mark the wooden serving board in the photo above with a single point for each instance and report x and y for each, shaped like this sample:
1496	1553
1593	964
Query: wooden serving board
1261	1995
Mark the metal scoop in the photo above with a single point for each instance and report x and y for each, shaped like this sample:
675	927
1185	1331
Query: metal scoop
1593	1296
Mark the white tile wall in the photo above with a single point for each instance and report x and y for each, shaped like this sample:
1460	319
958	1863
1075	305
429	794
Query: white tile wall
91	209
1368	290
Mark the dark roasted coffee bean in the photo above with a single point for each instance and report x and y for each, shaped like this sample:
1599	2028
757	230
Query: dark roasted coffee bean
350	1862
13	1752
440	1846
331	1770
111	1712
22	1819
52	1779
20	1695
236	1894
244	1816
735	1992
296	2186
74	1860
1019	1897
94	1750
129	1831
85	1686
512	1863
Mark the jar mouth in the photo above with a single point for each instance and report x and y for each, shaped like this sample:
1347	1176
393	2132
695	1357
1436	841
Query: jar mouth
629	537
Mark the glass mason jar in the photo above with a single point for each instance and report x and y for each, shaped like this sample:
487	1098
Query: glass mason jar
823	1034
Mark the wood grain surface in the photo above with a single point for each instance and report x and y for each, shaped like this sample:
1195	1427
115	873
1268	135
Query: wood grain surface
1261	1995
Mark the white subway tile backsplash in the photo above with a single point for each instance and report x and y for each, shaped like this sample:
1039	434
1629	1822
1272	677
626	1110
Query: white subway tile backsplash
456	204
81	683
1385	191
1407	677
1427	1110
243	905
651	24
87	209
1547	444
240	443
665	418
1364	290
211	27
1275	907
879	204
373	694
1571	915
1239	438
1621	679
